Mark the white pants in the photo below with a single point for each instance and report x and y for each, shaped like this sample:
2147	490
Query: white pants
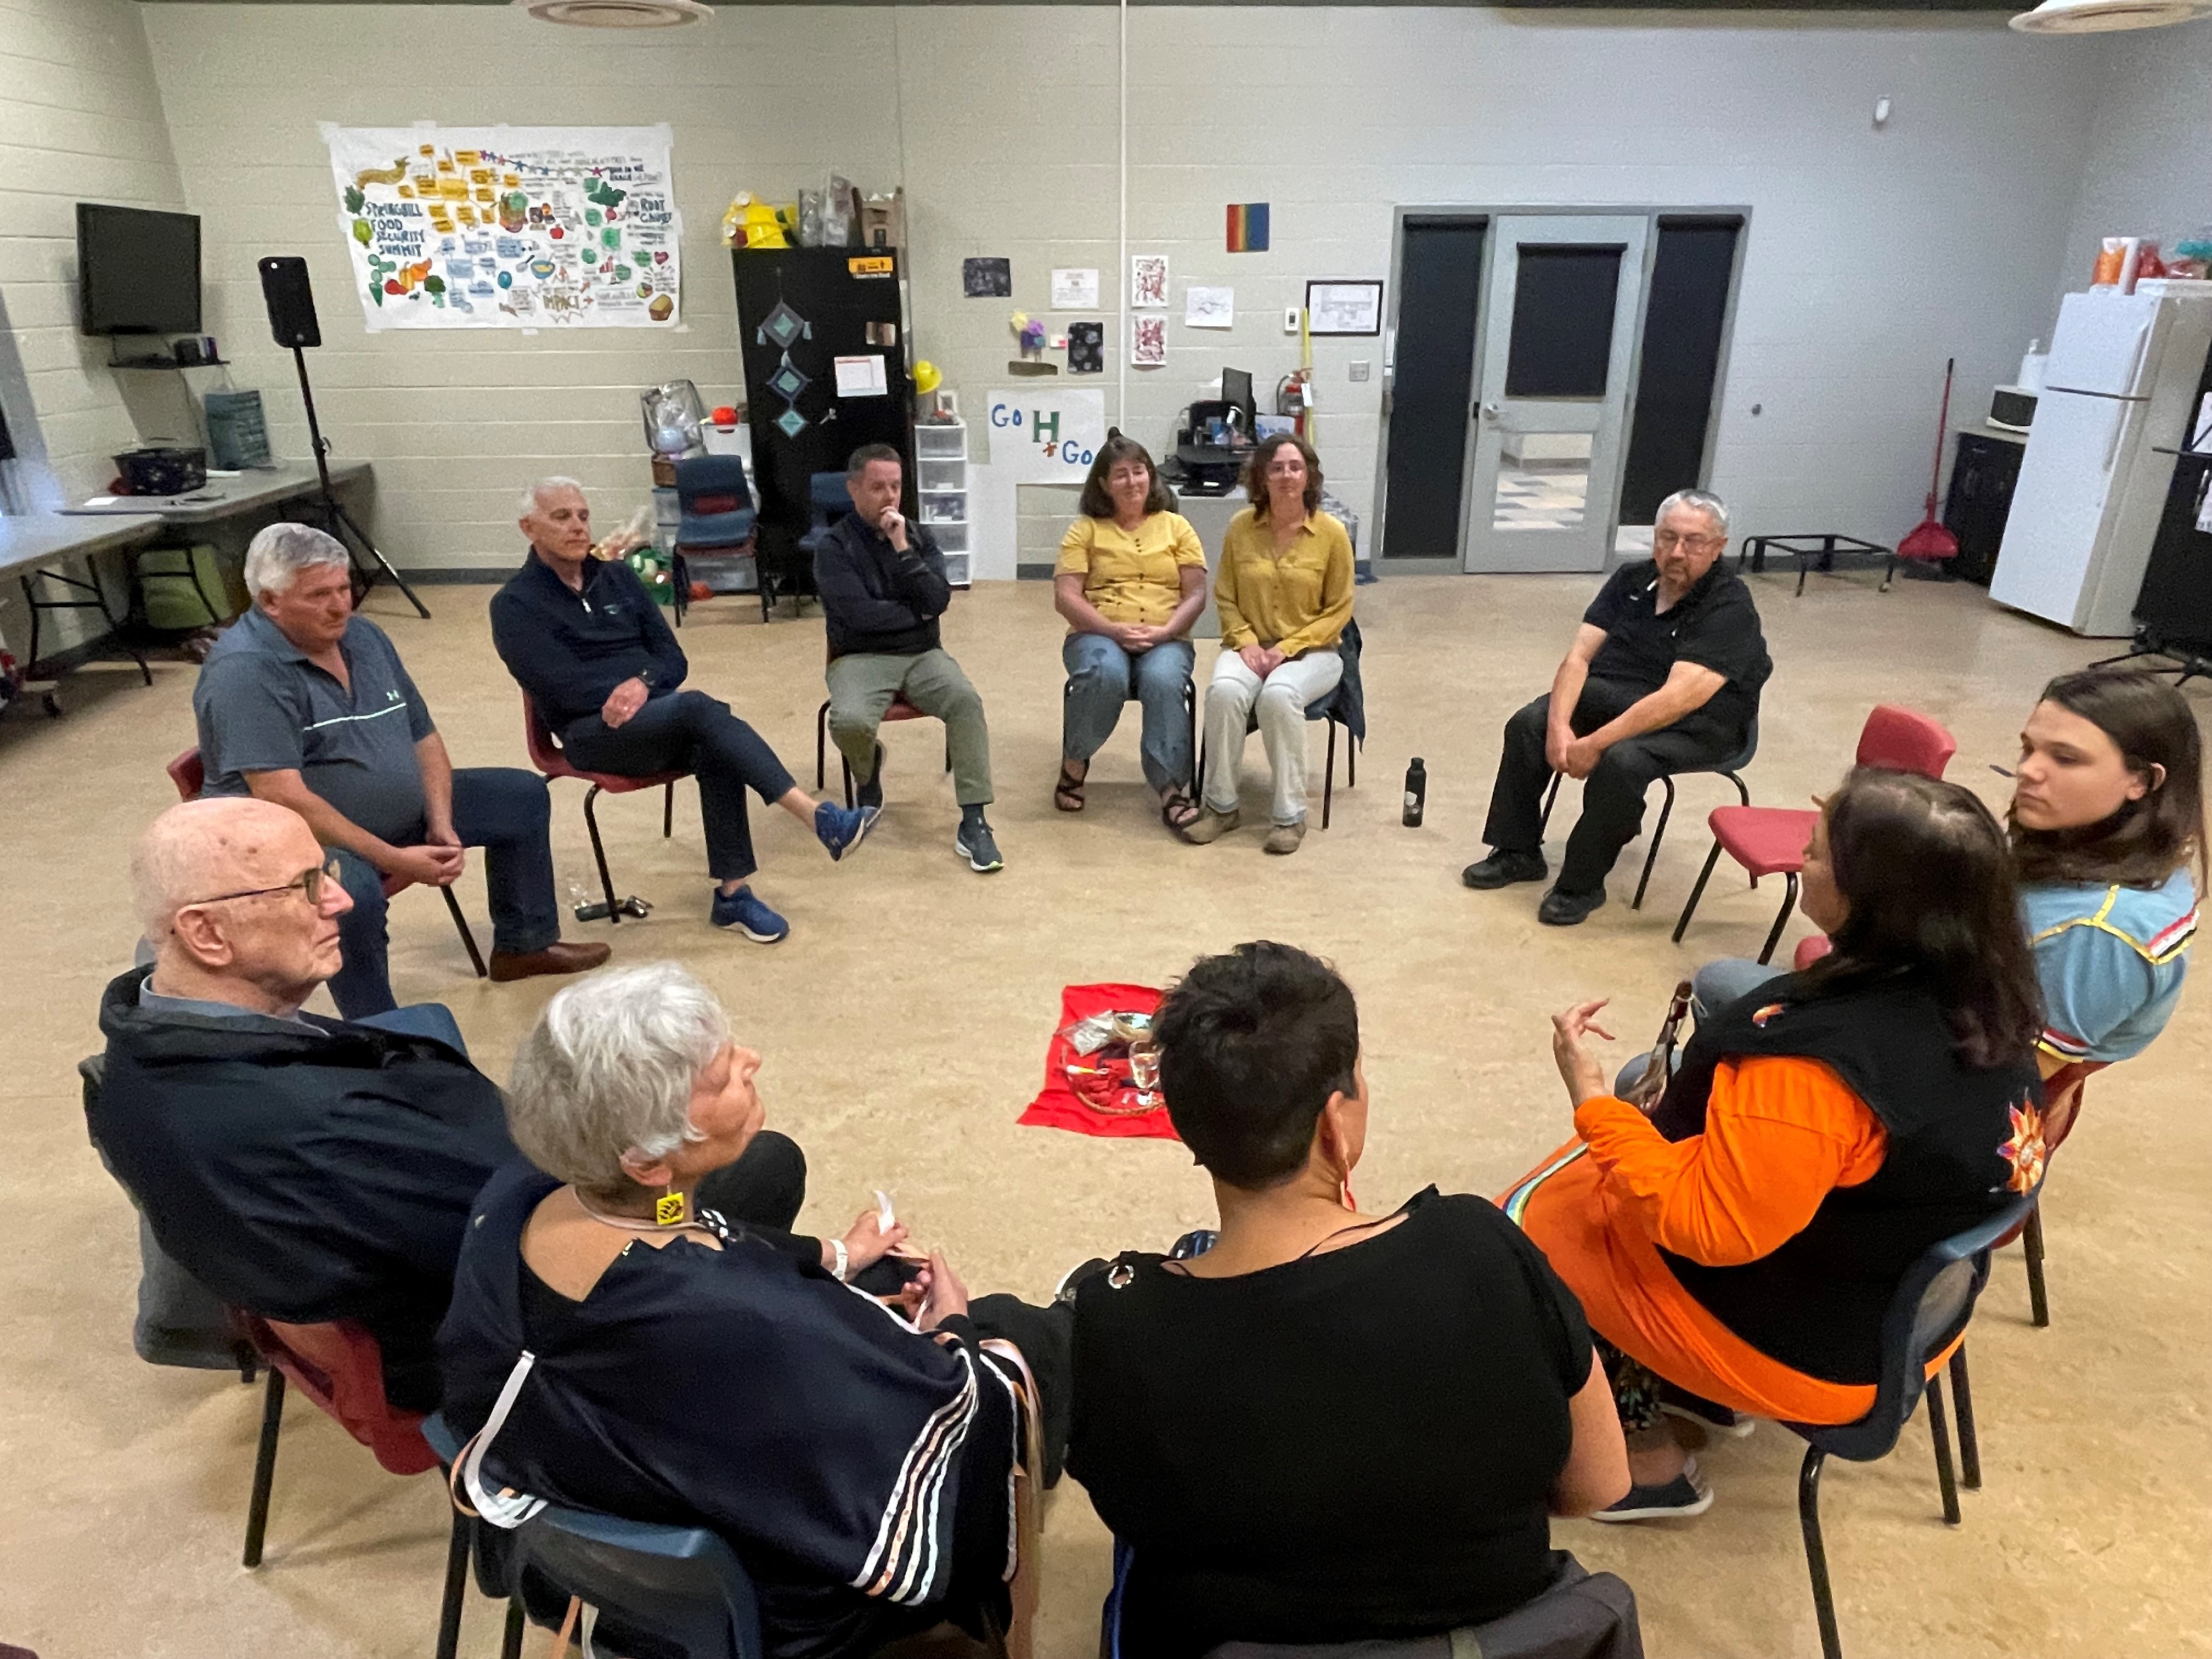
1277	704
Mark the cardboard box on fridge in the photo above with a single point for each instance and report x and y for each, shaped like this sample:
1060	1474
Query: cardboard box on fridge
882	220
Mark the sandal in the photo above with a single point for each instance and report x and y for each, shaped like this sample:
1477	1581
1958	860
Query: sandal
1178	810
1068	794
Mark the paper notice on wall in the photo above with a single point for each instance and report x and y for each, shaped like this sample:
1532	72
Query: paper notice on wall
1075	290
1045	433
862	377
500	227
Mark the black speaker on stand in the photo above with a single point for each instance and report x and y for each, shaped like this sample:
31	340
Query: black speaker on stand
292	321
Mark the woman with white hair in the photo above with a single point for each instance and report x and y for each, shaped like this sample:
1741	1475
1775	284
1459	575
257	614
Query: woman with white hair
616	1343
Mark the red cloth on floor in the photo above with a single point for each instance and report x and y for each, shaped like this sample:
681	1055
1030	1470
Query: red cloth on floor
1058	1107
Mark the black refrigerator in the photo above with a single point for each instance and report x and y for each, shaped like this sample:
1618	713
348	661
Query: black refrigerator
798	311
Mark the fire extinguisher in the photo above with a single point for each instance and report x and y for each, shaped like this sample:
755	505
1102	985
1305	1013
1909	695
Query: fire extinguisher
1292	398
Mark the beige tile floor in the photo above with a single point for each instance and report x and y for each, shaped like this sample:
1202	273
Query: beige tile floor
904	1023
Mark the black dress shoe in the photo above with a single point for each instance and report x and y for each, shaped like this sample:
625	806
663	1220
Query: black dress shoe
1561	908
1503	869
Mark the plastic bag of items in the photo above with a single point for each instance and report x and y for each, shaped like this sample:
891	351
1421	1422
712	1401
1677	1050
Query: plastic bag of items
749	223
841	213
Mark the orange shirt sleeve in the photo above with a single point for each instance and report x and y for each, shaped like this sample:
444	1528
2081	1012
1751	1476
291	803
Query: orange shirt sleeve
1781	1132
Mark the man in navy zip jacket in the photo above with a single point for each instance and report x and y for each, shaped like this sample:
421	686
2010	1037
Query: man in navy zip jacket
592	652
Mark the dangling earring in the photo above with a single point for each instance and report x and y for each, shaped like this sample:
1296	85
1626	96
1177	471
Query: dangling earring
669	1209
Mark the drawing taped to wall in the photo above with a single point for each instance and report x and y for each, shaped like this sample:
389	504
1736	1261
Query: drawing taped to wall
1148	281
1148	342
991	277
1353	308
501	227
1209	307
1086	348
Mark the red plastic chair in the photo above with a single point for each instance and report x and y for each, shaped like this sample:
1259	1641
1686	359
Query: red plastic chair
547	755
1770	841
901	709
189	773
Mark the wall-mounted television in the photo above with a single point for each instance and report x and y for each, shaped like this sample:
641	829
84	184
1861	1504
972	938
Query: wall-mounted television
137	271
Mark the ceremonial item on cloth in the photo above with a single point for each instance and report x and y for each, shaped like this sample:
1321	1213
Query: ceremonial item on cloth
1643	1093
1102	1070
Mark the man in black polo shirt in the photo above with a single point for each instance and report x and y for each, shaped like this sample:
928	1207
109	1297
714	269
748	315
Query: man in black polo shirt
306	704
1664	677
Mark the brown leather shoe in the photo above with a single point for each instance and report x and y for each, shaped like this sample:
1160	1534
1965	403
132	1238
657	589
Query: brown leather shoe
559	958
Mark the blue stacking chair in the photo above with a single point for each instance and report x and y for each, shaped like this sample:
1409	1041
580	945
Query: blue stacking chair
680	1585
827	501
718	517
1930	1310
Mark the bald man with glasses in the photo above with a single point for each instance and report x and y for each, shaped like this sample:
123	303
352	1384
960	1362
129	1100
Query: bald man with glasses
1664	677
303	1168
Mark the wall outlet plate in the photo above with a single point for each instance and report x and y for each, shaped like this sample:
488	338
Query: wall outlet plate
1289	320
1359	370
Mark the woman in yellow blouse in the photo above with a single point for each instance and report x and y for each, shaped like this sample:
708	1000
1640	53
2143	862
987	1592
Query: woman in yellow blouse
1285	594
1130	580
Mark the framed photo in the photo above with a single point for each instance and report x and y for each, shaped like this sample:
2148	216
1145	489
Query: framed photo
1344	307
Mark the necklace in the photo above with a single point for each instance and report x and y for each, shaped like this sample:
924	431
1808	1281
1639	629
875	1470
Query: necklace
629	1225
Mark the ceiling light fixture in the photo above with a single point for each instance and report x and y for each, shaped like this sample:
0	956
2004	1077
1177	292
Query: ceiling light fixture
2102	16
617	14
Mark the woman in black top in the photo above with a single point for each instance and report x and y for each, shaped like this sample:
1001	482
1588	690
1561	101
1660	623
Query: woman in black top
1331	1425
613	1347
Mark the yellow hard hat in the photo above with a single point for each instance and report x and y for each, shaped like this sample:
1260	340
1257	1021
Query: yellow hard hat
927	377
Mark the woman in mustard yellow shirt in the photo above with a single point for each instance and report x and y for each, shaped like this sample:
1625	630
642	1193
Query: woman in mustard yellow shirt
1285	594
1130	580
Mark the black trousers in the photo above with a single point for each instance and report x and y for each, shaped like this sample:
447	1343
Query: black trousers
691	732
1613	794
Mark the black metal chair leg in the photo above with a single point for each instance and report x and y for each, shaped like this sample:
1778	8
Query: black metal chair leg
1789	903
1962	1398
1328	775
1651	853
600	852
1351	760
510	1646
461	926
1697	892
1816	1554
1190	713
264	1467
457	1589
1939	1431
822	746
668	812
1742	789
2030	1242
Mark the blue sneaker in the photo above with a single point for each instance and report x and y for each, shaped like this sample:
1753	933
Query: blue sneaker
749	915
840	829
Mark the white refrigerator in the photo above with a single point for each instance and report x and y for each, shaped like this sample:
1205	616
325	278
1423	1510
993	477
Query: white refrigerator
2120	384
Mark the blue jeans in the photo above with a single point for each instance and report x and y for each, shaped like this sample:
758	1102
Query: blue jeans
504	810
1101	676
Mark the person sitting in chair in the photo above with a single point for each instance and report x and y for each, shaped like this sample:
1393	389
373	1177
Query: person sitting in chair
1425	1366
303	703
1130	580
1664	677
303	1169
689	1367
592	653
1284	595
1737	1251
882	584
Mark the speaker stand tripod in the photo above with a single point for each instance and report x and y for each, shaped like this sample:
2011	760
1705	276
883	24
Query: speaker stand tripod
336	519
2188	659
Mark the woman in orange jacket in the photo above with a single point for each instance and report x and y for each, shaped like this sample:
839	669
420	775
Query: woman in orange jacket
1739	1247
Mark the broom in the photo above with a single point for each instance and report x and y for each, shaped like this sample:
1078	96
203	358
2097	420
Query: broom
1928	539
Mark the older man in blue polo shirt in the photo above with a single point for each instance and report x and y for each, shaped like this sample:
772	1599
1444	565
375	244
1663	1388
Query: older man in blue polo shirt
304	703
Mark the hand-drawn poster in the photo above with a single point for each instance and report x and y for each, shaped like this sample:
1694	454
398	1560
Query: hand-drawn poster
1148	341
510	227
1148	281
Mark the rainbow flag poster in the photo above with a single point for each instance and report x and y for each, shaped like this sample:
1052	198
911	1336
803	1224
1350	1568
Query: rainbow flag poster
1248	227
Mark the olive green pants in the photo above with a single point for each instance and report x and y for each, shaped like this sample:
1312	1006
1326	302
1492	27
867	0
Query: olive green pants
861	687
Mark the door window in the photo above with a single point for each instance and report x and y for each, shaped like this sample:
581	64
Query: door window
1564	297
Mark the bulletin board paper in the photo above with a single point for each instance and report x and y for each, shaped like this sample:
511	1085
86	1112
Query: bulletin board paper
501	227
1046	434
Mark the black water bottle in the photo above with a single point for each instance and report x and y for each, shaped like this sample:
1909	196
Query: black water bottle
1417	793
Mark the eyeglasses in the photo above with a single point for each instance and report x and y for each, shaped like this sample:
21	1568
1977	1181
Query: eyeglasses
1670	538
308	882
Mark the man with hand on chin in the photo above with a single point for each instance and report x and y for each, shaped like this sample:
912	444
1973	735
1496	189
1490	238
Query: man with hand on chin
1664	677
883	588
592	652
306	704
